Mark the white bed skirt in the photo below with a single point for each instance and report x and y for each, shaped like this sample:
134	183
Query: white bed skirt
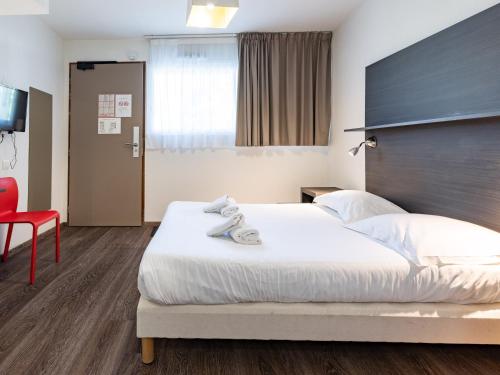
370	322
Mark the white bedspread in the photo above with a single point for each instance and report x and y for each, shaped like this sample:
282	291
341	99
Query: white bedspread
306	256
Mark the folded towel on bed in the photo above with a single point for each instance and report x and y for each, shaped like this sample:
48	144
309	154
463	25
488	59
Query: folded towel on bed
245	235
233	222
217	205
229	210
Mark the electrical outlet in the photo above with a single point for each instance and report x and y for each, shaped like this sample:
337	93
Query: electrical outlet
5	165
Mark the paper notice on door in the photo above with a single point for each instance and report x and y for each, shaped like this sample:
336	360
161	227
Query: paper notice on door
109	126
123	105
106	105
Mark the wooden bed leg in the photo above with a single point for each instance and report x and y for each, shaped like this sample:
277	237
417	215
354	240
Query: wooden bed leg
148	350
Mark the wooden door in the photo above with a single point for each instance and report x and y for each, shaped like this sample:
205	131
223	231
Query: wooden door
40	151
105	169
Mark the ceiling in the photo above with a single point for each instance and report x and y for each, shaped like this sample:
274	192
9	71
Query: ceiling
115	19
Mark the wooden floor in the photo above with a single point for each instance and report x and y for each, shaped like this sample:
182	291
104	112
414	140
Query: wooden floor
79	318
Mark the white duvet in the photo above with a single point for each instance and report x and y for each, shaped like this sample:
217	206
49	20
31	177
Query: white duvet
306	256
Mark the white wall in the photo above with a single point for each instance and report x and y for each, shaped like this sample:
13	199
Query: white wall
251	175
375	30
32	55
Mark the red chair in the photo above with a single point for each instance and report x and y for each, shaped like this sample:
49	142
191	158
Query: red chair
9	196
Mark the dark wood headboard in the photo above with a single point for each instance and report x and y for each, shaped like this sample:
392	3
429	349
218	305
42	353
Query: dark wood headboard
449	169
425	162
452	74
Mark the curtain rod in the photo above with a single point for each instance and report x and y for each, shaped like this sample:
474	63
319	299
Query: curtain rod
186	36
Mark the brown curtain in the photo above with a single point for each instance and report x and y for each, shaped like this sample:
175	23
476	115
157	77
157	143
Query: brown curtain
284	89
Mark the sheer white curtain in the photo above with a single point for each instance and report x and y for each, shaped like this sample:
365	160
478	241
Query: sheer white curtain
192	86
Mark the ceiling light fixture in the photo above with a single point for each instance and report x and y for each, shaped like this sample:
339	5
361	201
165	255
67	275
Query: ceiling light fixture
213	14
370	142
23	7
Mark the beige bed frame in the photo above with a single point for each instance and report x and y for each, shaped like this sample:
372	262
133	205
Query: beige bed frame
369	322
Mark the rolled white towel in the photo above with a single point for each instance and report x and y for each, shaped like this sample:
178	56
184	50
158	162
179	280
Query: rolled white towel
245	235
229	210
233	222
217	205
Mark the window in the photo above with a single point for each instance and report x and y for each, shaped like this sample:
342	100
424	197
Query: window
192	87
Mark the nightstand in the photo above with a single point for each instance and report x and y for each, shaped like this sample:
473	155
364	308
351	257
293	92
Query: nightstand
308	194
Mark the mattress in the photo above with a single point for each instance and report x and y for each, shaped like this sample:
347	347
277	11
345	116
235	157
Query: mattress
306	256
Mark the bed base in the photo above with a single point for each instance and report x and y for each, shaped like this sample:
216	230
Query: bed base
367	322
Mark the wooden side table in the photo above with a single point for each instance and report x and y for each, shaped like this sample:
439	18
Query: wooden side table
308	194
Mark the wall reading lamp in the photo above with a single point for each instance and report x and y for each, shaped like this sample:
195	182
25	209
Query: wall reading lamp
370	142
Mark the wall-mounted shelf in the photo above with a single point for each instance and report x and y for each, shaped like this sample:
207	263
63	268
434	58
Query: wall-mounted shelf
427	122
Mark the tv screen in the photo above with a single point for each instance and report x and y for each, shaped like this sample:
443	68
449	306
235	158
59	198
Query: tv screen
13	106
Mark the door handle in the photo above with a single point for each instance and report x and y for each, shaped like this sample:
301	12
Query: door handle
135	141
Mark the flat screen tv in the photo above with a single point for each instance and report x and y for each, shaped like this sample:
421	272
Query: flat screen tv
13	107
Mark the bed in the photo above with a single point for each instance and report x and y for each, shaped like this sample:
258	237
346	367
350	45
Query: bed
435	155
311	279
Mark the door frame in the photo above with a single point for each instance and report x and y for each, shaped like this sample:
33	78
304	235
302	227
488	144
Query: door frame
143	141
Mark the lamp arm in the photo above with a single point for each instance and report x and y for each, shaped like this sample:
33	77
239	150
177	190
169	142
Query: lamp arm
361	144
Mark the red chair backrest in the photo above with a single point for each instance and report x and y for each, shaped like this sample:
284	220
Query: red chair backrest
8	195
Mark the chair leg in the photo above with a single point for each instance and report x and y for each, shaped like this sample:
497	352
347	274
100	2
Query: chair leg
33	254
58	239
7	242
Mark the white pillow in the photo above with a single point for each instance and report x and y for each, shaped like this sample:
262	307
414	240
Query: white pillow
429	239
354	205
